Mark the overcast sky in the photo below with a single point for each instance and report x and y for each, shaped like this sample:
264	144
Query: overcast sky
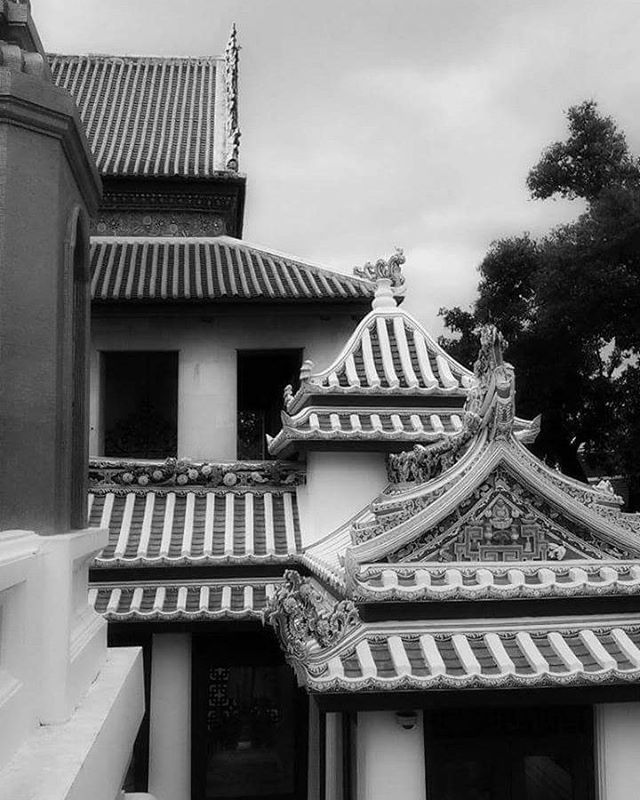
368	124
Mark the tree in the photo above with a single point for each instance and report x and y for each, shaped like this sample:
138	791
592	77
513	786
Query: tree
568	304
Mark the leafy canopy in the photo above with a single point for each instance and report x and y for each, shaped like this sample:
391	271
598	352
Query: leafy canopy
568	304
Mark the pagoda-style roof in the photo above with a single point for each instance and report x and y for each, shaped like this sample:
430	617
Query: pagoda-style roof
148	116
152	269
392	601
390	354
390	384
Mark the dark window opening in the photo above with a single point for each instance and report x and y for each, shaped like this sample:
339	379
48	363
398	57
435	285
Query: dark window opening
262	376
517	753
249	721
140	404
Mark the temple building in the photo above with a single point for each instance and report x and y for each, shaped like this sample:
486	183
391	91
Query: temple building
348	575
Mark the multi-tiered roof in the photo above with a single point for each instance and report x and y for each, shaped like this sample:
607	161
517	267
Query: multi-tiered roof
477	567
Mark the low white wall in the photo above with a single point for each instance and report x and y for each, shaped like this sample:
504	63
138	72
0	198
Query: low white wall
170	721
69	709
338	486
390	759
618	751
207	364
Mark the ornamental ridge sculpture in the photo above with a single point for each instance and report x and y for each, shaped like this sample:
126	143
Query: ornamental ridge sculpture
390	269
490	402
232	128
186	473
304	621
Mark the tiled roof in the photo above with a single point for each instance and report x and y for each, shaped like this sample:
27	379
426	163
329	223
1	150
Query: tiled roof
389	353
547	653
149	116
158	526
324	424
210	600
155	269
410	583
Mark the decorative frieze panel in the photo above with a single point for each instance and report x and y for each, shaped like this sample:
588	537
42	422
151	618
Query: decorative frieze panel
165	223
501	521
182	472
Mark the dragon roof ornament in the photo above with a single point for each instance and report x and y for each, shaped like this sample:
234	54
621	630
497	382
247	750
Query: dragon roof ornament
305	621
232	128
391	269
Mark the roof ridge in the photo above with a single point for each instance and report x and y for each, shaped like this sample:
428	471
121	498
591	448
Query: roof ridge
124	56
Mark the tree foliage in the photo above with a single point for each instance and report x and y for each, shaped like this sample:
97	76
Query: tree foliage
569	304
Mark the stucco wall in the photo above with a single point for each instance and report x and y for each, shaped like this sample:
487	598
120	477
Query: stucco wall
208	348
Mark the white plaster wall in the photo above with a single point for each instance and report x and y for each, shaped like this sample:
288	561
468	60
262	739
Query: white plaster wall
207	348
618	751
170	722
390	759
338	486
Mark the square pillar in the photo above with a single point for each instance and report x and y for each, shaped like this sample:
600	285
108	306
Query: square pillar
170	721
617	739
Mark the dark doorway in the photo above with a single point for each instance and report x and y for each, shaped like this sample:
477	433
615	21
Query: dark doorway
510	754
140	404
249	736
262	376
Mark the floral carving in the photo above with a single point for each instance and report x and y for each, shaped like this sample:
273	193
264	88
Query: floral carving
305	620
159	223
390	269
183	472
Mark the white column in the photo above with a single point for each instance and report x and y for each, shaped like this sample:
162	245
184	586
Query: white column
390	758
334	757
170	722
617	732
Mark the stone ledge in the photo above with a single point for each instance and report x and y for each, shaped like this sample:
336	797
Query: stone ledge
87	756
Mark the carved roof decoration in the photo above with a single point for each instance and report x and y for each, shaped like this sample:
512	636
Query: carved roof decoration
104	472
171	526
390	270
151	116
307	620
156	269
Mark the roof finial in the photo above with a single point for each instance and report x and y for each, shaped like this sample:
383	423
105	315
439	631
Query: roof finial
232	128
390	269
